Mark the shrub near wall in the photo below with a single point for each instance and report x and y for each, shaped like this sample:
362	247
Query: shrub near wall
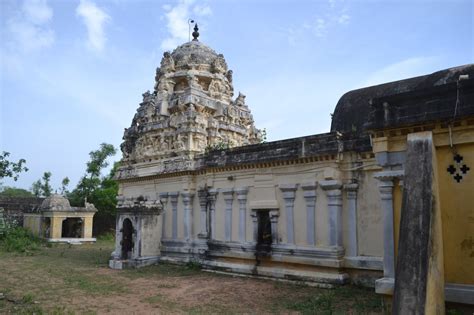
18	239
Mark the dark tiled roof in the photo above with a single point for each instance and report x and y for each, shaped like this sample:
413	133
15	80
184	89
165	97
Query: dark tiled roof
353	109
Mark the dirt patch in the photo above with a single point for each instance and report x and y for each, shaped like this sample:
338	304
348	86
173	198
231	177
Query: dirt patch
66	279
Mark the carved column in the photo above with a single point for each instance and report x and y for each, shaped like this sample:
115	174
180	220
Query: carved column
309	194
254	216
174	207
188	198
202	194
334	196
386	195
351	193
164	201
242	198
288	192
228	198
212	212
274	214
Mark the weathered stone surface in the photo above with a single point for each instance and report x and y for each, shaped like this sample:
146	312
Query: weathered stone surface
419	282
191	109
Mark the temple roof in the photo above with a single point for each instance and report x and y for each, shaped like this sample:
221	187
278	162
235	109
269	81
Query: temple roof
193	52
56	202
353	109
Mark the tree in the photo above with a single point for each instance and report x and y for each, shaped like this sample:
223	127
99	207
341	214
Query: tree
101	191
11	169
42	187
15	192
91	180
64	184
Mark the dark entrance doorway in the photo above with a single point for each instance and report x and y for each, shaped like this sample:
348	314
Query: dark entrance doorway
127	238
264	240
72	228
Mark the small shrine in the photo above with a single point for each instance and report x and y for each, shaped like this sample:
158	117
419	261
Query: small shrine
57	221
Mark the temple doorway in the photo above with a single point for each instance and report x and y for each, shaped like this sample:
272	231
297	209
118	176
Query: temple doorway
127	238
72	228
264	236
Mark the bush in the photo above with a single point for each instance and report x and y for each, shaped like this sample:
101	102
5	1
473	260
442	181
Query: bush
19	240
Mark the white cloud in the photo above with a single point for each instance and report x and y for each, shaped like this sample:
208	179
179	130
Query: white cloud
407	68
37	11
94	18
343	19
202	10
320	27
29	29
177	21
331	15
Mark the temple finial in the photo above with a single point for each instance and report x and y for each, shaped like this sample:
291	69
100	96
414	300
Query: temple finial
195	33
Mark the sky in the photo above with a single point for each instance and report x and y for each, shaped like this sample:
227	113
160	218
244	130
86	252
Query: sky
72	73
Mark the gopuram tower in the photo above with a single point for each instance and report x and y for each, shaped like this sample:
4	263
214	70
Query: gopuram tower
191	109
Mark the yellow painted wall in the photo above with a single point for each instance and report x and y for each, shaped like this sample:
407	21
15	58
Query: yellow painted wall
457	210
56	227
33	223
264	192
87	227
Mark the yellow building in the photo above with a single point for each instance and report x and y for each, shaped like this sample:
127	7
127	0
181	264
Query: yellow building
57	221
195	184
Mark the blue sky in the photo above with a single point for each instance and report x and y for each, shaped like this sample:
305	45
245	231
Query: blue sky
72	72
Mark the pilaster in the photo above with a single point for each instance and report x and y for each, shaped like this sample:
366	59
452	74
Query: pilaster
386	179
212	212
254	216
242	198
289	192
228	198
334	197
309	194
202	194
274	214
164	202
174	207
188	198
351	194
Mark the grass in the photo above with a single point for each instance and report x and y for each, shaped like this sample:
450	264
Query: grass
71	279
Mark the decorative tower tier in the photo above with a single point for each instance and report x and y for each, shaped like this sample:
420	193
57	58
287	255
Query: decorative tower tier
190	110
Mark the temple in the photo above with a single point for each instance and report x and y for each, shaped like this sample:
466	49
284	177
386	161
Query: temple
196	182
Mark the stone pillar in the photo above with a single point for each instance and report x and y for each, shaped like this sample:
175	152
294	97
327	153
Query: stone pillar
254	216
274	214
202	194
212	212
309	194
87	227
288	191
164	201
351	193
334	196
386	195
188	198
174	206
228	198
242	198
56	227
